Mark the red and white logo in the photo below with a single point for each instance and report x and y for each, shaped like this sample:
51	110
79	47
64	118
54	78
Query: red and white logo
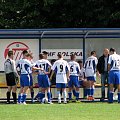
18	48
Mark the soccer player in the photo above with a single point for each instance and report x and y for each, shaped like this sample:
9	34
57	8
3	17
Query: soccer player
11	76
62	70
43	79
24	66
90	73
114	74
74	79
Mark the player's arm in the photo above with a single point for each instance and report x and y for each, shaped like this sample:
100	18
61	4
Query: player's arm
51	75
49	69
68	71
36	68
109	63
108	67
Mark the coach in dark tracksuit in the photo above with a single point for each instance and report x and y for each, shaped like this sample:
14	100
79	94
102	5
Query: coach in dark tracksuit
103	70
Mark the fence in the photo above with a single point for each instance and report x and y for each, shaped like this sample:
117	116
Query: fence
82	39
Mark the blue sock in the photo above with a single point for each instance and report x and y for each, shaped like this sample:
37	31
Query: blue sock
89	91
70	95
77	95
24	97
43	95
85	92
74	92
110	100
118	97
92	91
32	94
49	96
37	96
19	98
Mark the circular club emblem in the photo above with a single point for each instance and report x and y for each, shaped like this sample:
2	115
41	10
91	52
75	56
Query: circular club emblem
18	48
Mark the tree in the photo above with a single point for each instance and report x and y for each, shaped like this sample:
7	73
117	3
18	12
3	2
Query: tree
59	13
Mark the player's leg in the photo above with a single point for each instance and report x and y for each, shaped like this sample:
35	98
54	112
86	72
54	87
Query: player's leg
47	86
64	92
84	84
90	89
10	81
32	93
8	94
70	86
26	83
111	86
31	88
25	92
117	83
58	86
20	95
14	89
40	84
103	86
76	84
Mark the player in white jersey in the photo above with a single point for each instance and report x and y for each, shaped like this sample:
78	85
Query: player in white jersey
61	68
114	74
74	77
24	65
43	79
90	73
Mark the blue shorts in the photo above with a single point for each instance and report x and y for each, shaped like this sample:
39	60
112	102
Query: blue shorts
61	85
73	81
114	77
24	80
43	81
91	78
31	80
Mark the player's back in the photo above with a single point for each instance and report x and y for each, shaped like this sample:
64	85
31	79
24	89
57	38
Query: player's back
74	68
44	64
114	60
24	66
61	67
90	66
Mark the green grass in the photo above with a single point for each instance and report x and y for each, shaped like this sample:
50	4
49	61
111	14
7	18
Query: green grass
72	111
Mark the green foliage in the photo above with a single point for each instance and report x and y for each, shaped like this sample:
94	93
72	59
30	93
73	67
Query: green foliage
59	13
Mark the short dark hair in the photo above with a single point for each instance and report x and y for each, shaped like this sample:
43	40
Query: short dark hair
24	52
72	56
112	50
80	61
41	55
93	52
53	60
45	52
59	55
27	54
10	53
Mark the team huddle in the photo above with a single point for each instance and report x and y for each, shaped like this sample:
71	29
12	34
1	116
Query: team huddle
70	74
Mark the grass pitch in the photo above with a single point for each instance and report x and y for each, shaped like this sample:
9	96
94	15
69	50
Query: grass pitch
72	111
